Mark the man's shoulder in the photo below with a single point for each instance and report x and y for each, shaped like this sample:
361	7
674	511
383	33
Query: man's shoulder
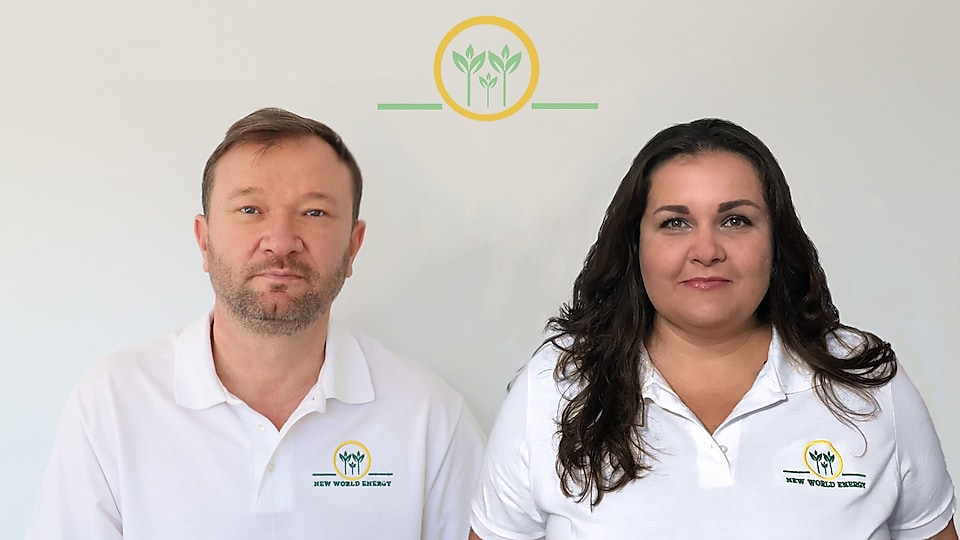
152	360
395	373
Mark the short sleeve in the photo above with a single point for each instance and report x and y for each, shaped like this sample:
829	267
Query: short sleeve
75	496
927	501
504	506
448	502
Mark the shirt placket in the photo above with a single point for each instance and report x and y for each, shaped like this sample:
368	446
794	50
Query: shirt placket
270	459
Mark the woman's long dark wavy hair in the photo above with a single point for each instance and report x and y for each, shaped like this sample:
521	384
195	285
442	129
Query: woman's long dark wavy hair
600	332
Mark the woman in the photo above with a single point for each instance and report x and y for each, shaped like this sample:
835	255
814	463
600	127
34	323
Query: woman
700	383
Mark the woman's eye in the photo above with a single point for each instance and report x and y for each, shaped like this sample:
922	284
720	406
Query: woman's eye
248	210
736	222
315	213
673	223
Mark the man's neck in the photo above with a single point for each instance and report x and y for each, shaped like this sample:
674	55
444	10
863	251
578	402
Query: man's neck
270	373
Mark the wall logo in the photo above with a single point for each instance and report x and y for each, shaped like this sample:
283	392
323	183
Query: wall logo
486	68
824	468
485	55
351	464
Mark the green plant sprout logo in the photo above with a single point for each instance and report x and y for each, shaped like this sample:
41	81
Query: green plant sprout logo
823	459
470	64
489	52
351	460
505	66
488	84
486	68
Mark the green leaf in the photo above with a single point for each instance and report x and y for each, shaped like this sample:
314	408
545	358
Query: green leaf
493	82
477	62
469	51
360	457
483	82
460	61
496	62
512	63
343	456
831	458
815	455
505	52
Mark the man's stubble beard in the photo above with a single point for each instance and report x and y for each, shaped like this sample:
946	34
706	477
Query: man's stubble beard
266	317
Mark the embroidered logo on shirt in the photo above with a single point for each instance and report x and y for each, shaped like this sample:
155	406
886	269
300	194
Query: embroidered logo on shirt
352	464
351	460
824	469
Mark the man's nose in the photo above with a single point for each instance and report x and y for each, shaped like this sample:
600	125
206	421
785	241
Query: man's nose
281	236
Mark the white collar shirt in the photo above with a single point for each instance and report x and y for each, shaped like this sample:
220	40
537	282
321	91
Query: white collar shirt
780	466
151	445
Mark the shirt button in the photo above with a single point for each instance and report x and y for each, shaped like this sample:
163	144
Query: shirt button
723	449
271	467
261	427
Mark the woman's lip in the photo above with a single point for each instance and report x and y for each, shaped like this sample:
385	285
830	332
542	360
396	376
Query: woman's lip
706	283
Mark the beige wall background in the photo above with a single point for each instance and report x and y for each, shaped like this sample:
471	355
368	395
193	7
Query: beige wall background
476	230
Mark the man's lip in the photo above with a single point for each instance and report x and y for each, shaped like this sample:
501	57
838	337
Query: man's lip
279	274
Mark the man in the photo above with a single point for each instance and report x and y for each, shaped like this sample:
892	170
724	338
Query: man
265	419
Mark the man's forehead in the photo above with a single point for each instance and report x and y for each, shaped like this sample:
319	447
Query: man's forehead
254	191
259	145
310	151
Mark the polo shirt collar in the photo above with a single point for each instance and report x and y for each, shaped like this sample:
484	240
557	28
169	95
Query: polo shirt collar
792	374
345	375
196	384
782	374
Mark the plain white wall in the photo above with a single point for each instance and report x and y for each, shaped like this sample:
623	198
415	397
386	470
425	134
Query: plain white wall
475	230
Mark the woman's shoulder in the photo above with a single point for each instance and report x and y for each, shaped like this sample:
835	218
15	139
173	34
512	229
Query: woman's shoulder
848	342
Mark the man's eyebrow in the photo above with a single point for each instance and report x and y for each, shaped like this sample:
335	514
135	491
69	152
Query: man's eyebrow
246	191
730	205
257	191
678	208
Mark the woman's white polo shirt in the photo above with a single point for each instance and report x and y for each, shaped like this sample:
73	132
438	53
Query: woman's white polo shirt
781	466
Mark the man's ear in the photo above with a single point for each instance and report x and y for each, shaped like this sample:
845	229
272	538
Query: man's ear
200	232
356	240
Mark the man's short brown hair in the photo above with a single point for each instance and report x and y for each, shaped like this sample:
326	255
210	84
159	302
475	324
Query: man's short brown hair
270	127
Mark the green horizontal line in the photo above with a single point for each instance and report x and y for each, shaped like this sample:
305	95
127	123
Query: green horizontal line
797	472
564	105
323	474
854	474
381	474
409	106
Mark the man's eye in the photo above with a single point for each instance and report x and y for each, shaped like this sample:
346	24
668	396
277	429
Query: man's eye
248	210
315	213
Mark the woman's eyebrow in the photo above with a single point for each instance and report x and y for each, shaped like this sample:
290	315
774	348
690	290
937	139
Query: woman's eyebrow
678	208
730	205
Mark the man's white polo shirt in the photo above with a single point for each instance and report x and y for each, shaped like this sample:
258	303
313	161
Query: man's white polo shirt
151	445
781	466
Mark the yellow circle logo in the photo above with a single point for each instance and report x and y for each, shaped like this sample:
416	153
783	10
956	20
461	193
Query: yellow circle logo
351	460
486	68
823	460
